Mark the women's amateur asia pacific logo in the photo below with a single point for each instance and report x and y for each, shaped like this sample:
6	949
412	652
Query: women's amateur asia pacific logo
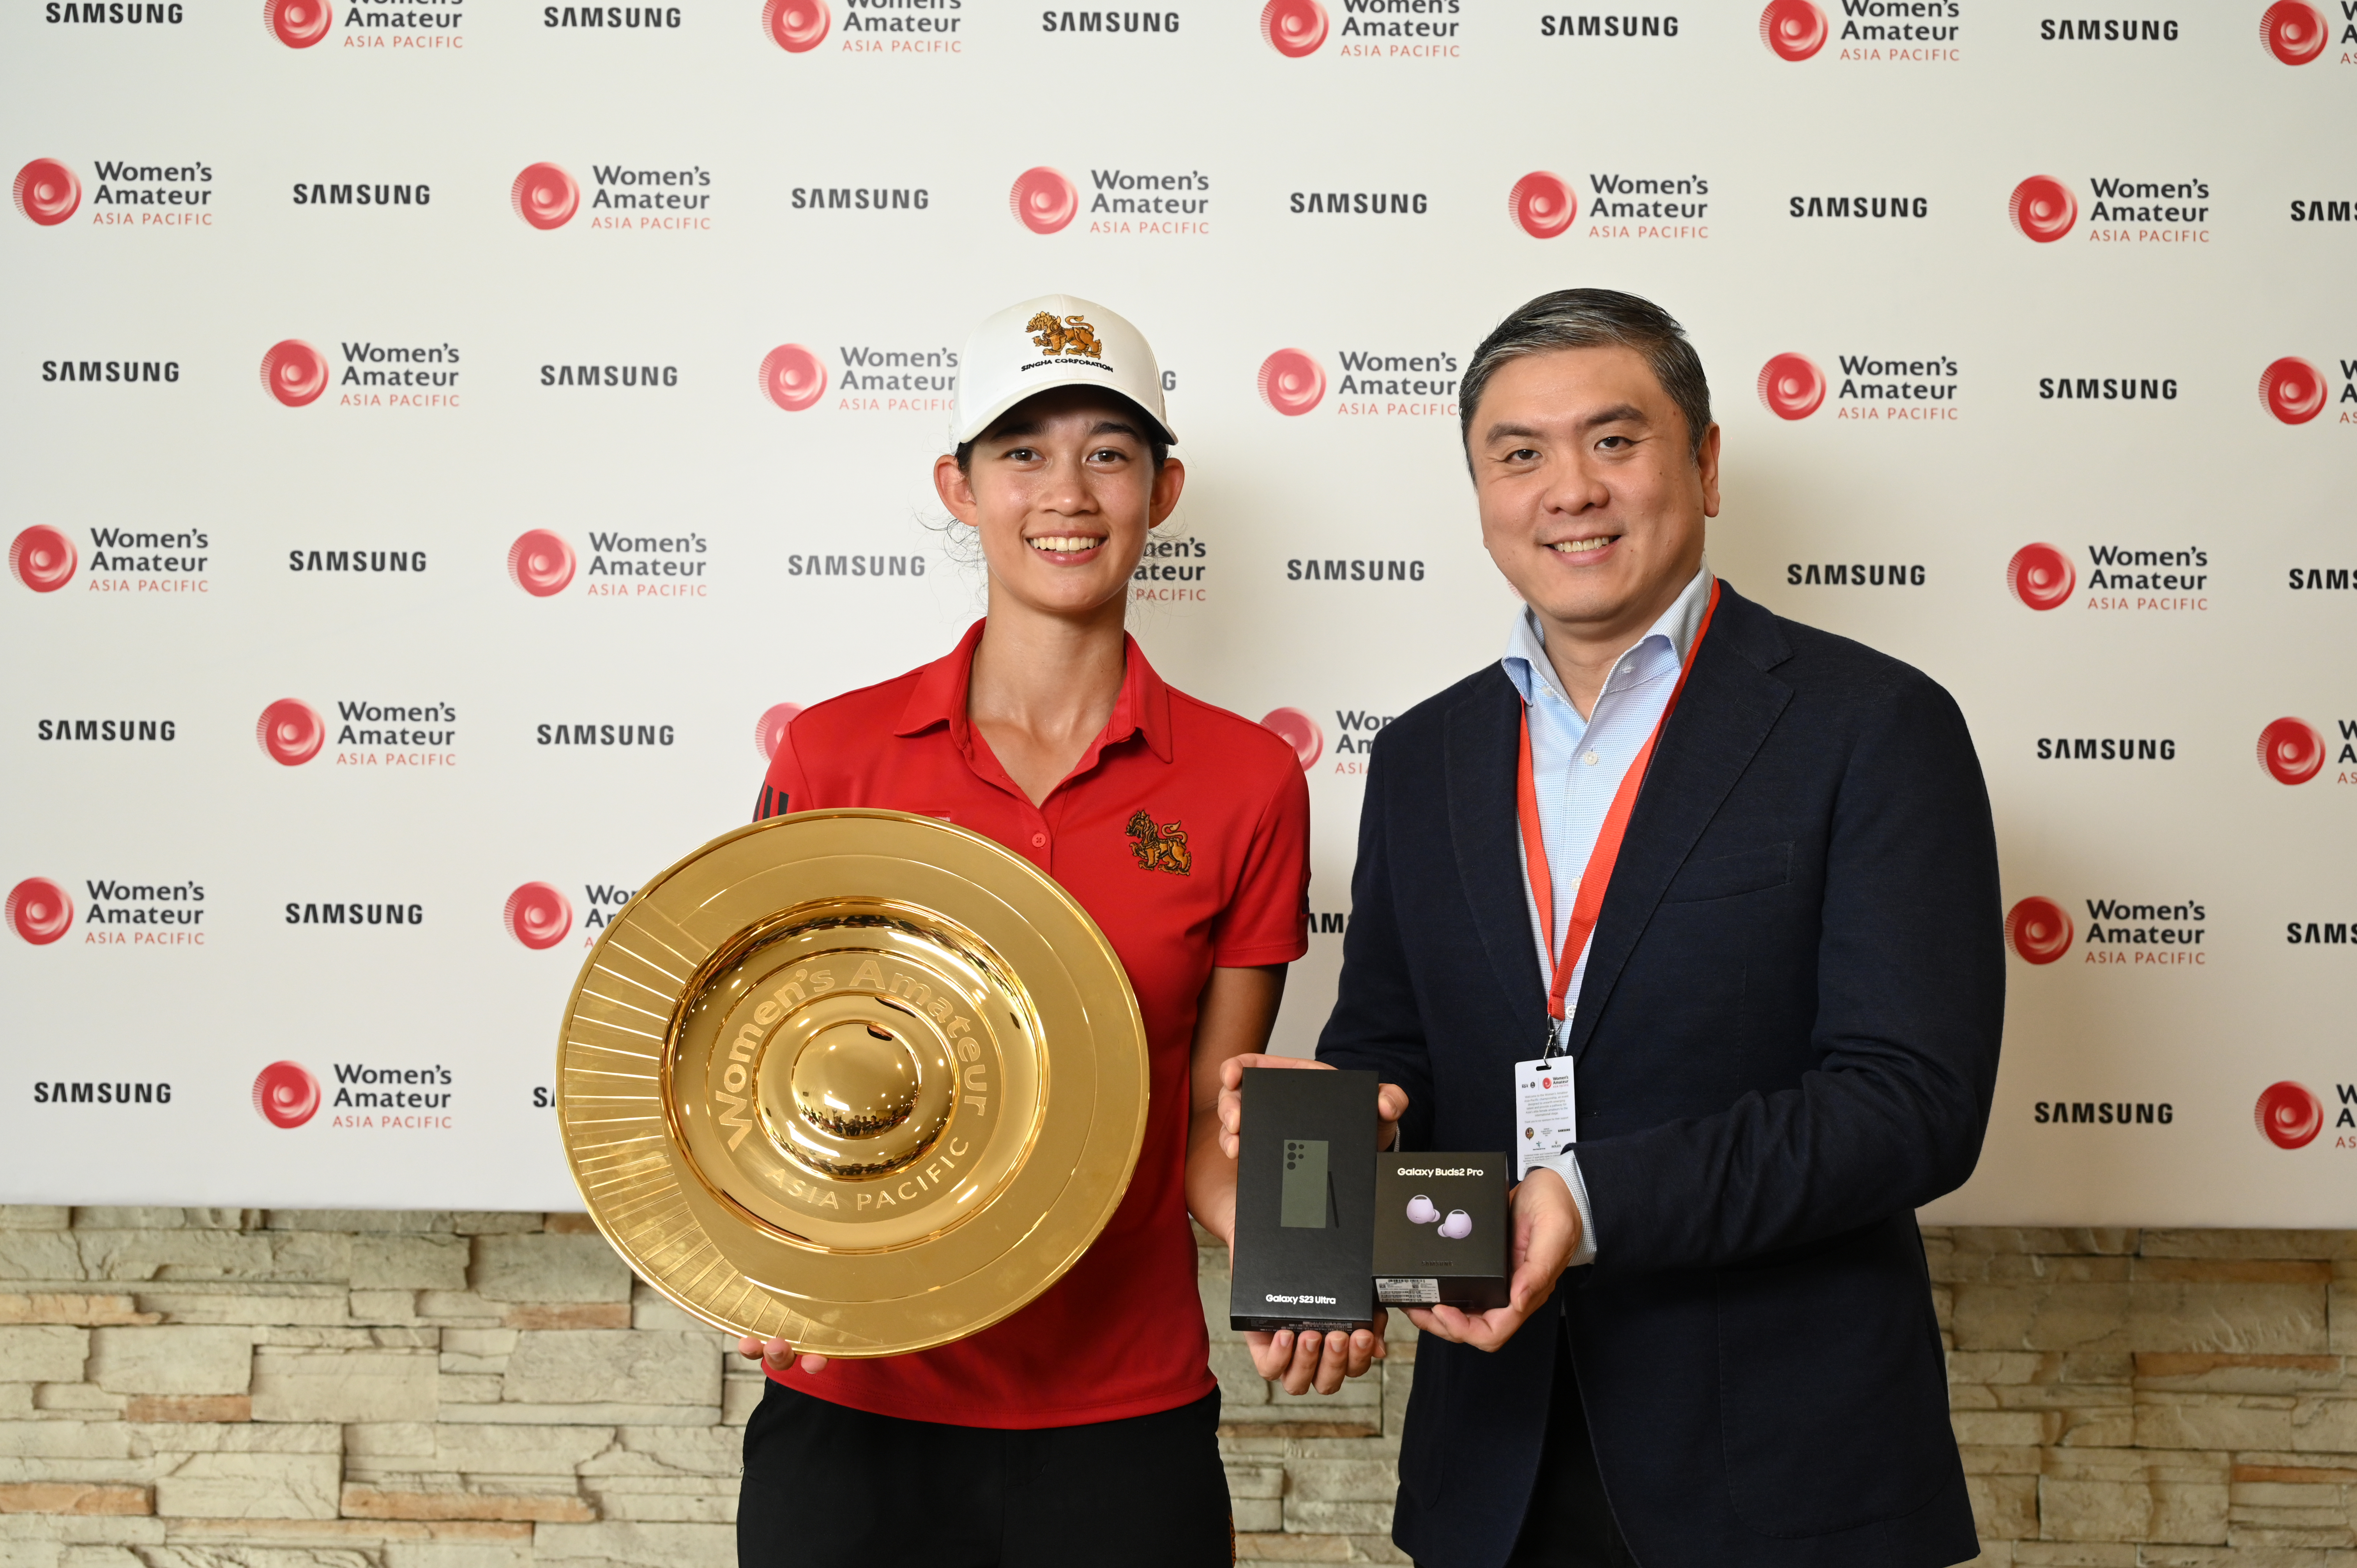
2039	930
1794	28
545	197
1299	731
2292	750
294	373
2293	389
2041	576
1792	386
2044	208
1294	28
48	192
1543	204
1292	381
298	24
43	559
2293	31
770	732
1043	199
286	1094
792	377
291	731
2289	1115
40	910
538	915
797	27
540	562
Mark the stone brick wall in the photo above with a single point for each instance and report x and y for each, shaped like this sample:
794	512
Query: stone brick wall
228	1388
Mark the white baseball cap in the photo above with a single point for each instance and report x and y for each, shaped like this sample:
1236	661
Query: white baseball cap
1056	340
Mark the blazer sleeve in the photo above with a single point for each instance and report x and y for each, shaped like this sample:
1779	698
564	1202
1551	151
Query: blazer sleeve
1910	1001
1375	1022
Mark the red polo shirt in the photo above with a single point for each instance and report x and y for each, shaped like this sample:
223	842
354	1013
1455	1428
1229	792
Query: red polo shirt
1122	1333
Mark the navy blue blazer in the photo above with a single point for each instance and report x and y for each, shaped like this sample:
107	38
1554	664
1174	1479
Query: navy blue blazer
1786	1039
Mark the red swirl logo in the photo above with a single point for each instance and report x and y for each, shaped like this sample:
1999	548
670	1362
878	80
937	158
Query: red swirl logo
792	377
40	910
1543	204
544	195
1792	386
291	731
43	559
2293	31
2293	389
298	24
294	373
797	27
769	733
2292	750
1294	28
1794	28
286	1094
2044	208
2288	1114
540	562
538	915
1291	382
2041	576
2039	930
1299	731
1043	200
48	192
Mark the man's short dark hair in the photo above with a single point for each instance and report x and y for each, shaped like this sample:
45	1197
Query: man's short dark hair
1593	318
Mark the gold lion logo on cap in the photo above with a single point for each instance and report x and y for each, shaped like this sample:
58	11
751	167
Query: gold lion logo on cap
1072	335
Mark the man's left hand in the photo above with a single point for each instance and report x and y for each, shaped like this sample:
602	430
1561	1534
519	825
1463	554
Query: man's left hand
1546	1233
1300	1362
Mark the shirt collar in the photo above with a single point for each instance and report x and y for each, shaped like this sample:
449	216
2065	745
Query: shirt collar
1526	662
940	698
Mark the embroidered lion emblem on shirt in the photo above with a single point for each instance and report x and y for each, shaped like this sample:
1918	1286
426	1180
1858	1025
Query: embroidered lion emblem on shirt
1160	846
1072	335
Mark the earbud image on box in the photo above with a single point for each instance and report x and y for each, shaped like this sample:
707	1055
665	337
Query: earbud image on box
1422	1210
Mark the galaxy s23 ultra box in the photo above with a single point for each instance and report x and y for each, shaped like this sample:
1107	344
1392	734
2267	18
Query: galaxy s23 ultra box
1440	1230
1305	1201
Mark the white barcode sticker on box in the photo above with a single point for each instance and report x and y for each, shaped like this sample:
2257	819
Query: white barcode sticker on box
1408	1292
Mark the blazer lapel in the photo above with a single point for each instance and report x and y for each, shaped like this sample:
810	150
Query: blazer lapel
1483	739
1730	706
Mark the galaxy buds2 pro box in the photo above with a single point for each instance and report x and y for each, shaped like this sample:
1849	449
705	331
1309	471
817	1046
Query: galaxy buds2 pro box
1440	1230
1305	1201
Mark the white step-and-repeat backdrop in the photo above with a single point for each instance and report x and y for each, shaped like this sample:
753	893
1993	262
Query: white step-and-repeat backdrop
444	438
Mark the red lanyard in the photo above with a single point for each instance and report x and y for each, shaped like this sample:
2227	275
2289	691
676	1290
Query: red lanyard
1590	904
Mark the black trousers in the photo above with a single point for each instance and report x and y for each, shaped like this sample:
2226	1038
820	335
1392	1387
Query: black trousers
1570	1520
826	1486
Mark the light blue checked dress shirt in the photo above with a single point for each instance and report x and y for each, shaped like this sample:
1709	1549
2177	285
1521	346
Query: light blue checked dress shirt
1578	765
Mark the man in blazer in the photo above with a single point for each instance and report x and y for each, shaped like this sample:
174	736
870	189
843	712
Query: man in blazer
1782	1032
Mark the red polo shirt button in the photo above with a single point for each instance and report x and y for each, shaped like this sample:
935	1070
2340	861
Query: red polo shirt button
1039	839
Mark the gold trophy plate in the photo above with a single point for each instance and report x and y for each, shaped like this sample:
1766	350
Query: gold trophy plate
861	1080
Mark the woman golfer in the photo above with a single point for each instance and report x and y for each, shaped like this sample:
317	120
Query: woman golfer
1082	1428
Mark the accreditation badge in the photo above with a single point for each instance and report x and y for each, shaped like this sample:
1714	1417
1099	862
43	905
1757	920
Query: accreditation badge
1546	1112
